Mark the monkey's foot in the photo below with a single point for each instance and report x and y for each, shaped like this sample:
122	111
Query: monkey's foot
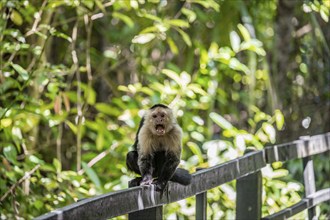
135	182
147	180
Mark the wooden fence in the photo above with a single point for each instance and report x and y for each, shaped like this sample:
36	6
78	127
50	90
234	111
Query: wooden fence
144	203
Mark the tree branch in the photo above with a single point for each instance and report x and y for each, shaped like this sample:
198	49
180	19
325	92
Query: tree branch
26	176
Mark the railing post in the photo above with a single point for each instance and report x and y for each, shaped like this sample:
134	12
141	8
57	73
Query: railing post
201	204
146	214
249	192
309	177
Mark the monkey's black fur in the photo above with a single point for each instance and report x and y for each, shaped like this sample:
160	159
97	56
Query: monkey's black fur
163	164
158	105
180	175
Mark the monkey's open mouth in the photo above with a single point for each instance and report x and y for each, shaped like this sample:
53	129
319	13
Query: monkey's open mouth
160	129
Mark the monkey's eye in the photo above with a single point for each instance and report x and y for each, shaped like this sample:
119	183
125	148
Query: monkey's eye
162	115
154	116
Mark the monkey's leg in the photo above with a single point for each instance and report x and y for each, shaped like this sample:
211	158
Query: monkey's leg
168	169
132	161
135	182
146	169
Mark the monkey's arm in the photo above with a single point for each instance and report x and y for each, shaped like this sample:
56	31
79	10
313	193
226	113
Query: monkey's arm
146	169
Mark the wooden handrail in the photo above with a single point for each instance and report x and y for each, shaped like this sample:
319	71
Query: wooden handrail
138	198
119	203
311	201
308	146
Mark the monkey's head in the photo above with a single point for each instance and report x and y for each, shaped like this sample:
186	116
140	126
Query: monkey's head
160	119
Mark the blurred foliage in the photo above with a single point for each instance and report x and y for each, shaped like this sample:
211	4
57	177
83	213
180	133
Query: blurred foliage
75	77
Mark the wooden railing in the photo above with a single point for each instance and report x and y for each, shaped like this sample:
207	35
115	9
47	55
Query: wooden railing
144	203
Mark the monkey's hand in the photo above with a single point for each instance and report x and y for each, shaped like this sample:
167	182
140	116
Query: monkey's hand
160	185
146	180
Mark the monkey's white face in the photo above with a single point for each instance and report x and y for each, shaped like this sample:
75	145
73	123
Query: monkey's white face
159	119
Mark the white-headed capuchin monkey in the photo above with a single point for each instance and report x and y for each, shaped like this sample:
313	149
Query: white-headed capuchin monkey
157	150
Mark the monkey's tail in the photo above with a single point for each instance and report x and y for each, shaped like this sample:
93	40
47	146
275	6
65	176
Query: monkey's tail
181	176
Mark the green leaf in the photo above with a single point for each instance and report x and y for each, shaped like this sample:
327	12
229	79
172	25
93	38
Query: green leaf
185	78
56	33
253	45
256	143
195	150
197	136
10	153
72	96
127	20
91	174
245	33
197	89
16	18
40	34
8	84
38	204
21	71
151	29
191	15
53	87
150	16
173	75
6	122
225	54
279	119
17	132
235	41
90	95
280	173
324	12
178	23
147	91
88	3
207	4
100	5
57	165
72	126
92	125
237	65
221	121
55	4
185	37
123	88
99	141
270	131
47	167
143	38
162	27
107	109
174	49
35	159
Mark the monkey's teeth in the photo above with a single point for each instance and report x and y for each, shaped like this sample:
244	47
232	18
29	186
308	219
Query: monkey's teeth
160	129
